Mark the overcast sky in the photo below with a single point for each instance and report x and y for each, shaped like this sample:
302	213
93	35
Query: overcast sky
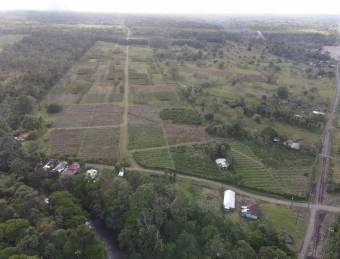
180	6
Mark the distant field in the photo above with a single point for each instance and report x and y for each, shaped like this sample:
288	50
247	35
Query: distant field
8	39
96	78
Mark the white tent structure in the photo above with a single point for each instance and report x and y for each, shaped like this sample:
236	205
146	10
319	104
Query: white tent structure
229	200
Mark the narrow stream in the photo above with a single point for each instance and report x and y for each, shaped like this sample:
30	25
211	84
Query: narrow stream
110	244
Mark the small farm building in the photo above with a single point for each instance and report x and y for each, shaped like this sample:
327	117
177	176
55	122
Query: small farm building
249	210
222	163
60	166
318	113
229	200
121	172
292	144
92	173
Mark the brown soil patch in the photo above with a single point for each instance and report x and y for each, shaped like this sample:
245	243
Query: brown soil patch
90	115
65	142
180	133
141	114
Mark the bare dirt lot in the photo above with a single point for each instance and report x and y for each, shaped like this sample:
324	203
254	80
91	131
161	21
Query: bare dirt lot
142	114
93	145
180	133
65	142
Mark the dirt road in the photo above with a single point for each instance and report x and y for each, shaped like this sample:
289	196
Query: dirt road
124	129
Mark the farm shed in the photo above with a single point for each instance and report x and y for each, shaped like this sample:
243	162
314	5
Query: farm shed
292	144
60	166
318	113
121	172
249	210
222	163
92	173
229	200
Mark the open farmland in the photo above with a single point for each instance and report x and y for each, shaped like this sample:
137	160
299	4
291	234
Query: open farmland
194	160
185	90
145	136
157	159
93	145
255	174
100	146
182	133
66	142
96	78
89	116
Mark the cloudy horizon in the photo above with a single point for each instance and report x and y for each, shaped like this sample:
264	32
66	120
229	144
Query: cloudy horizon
179	7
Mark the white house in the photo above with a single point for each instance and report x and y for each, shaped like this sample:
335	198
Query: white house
222	163
229	200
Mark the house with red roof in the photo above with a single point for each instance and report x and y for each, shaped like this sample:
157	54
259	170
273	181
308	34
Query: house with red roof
72	169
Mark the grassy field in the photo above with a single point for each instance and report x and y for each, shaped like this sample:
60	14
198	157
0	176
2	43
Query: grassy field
252	171
145	136
194	160
100	146
261	174
285	220
157	159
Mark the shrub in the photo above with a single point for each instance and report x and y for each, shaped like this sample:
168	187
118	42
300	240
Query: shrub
181	115
282	92
54	108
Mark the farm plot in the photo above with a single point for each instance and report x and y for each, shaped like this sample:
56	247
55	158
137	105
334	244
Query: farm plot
247	74
254	174
180	133
107	115
75	116
193	160
140	54
100	146
141	114
90	116
101	88
65	142
108	78
145	136
156	159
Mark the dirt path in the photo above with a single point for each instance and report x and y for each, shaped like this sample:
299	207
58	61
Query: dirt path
123	146
324	161
174	145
